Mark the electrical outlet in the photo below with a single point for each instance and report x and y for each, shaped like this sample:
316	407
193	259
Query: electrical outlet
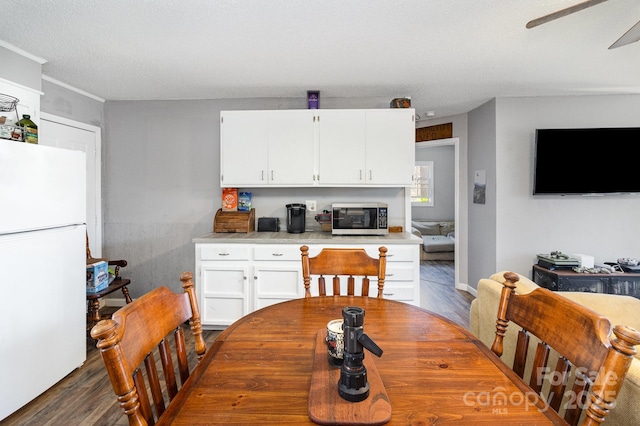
311	205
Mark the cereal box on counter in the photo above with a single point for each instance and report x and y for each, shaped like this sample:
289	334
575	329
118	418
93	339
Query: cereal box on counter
230	199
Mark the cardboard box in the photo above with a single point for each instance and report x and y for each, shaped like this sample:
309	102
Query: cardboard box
244	201
230	199
97	276
585	260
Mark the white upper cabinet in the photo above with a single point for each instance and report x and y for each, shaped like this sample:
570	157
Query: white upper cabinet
390	154
260	148
342	147
317	148
29	101
243	148
366	147
291	147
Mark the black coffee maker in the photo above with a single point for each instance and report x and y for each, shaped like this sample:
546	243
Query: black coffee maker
296	216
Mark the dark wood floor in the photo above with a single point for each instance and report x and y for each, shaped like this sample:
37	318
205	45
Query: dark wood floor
85	397
438	293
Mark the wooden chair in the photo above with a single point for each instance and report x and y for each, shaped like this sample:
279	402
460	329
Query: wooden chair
117	264
129	339
93	299
590	367
349	262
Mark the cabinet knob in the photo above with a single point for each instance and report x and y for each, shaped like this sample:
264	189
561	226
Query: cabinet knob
223	254
276	254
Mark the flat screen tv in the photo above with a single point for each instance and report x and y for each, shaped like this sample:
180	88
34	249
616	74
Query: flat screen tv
587	161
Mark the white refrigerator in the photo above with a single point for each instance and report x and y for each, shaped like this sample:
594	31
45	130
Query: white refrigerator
42	269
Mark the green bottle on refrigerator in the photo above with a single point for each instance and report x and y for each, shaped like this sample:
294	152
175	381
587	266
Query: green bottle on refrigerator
30	129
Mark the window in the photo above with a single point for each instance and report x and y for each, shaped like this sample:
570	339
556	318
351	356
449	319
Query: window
422	189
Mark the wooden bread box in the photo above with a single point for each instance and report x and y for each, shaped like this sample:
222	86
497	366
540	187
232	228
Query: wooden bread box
227	221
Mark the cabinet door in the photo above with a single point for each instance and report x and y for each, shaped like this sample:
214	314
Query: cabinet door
291	147
243	148
277	274
390	152
224	292
29	101
275	282
341	147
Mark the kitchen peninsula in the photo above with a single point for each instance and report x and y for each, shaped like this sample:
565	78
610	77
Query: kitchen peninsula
238	273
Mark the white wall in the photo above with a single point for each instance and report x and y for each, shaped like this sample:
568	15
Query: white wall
604	227
482	217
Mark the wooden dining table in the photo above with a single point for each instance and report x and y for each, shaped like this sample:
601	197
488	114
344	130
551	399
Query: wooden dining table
259	370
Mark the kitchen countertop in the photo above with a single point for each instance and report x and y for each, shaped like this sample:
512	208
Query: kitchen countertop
310	237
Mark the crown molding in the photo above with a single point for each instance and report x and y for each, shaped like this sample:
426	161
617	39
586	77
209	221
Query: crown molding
73	89
22	52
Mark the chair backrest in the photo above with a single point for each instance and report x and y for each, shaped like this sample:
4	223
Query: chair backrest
130	338
345	262
590	368
116	264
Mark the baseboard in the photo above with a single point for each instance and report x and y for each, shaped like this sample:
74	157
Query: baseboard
466	287
471	290
118	303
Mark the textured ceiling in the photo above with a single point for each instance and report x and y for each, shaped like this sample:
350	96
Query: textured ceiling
449	56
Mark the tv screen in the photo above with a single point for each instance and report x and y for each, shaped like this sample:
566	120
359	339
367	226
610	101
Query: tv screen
587	161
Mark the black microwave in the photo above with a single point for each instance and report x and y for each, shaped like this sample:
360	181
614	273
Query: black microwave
359	219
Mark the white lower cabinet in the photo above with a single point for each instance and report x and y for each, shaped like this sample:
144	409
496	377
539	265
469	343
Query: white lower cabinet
233	280
402	278
222	282
277	274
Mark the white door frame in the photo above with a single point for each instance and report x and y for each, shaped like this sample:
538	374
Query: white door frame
95	239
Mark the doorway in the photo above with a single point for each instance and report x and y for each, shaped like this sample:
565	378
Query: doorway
455	142
69	134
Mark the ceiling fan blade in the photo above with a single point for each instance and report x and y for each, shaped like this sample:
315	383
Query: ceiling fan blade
564	12
630	36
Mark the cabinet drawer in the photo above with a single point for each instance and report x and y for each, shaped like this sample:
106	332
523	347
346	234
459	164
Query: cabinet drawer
401	253
395	253
398	273
224	252
398	293
278	252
